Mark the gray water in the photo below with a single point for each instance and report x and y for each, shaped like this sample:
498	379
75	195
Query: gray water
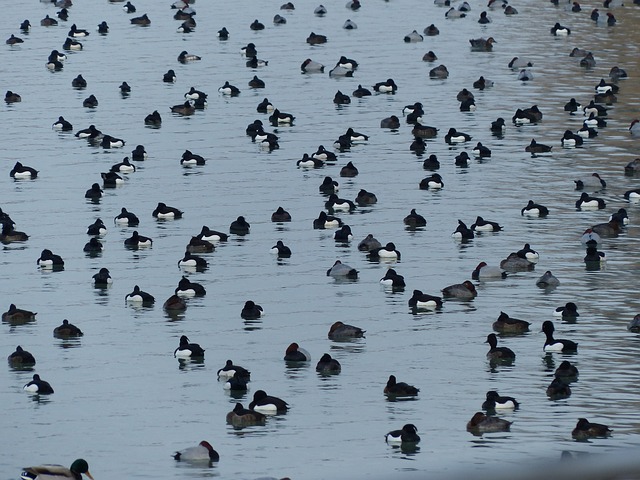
124	403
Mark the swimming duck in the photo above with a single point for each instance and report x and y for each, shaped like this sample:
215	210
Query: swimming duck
341	331
174	305
393	279
190	261
482	225
17	315
408	434
295	353
12	97
280	215
267	404
93	246
187	288
256	25
620	216
201	452
326	221
90	102
67	330
430	56
463	232
39	386
464	291
365	198
554	345
228	89
21	358
569	310
79	82
154	119
399	389
279	20
311	66
482	83
484	272
418	146
594	121
421	300
281	250
186	57
534	210
184	109
325	155
223	34
22	171
481	151
361	92
586	201
634	127
440	72
71	44
239	226
594	181
74	31
617	73
588	61
566	372
507	324
481	44
391	122
414	220
140	296
484	19
498	126
594	108
432	182
188	350
320	10
634	324
251	311
255	62
413	37
386	253
572	106
480	423
163	211
594	258
498	353
50	472
255	82
111	142
495	402
103	28
334	203
589	237
609	229
62	124
281	118
558	389
604	87
102	278
525	75
369	243
453	136
49	260
559	30
230	371
453	13
586	429
143	20
462	160
386	87
241	417
48	22
9	234
516	263
339	270
548	280
25	26
316	39
126	218
327	365
343	234
94	193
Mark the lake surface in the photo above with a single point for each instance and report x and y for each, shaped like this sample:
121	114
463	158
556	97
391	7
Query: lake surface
124	403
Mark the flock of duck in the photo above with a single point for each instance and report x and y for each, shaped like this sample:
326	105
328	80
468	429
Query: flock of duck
235	377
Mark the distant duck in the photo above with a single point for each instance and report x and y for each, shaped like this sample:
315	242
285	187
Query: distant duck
495	402
507	324
572	106
433	182
223	34
480	423
440	72
342	270
191	159
190	261
391	122
462	291
126	218
316	39
201	452
594	181
67	330
558	389
129	8
48	22
463	232
534	210
334	203
21	358
431	31
12	97
484	272
25	26
343	234
310	66
498	353
320	11
256	25
255	62
418	146
393	279
102	278
414	220
184	109
421	301
453	13
462	160
586	201
326	221
280	215
481	44
281	250
369	243
482	83
94	193
295	353
566	372
71	44
17	315
111	142
142	20
525	75
361	92
79	82
163	211
265	106
228	89
407	435
430	56
453	136
569	310
50	260
188	350
169	77
138	241
91	133
39	386
255	82
482	225
242	417
327	365
239	226
279	20
588	61
528	253
186	57
365	198
386	87
62	124
342	331
153	119
484	19
413	37
498	126
586	429
609	229
481	151
103	28
187	288
594	258
140	297
399	389
554	345
590	237
268	404
617	73
515	263
93	246
76	32
547	280
559	30
230	370
281	118
22	171
388	253
90	102
251	311
324	154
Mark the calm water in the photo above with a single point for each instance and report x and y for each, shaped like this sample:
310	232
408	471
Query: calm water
125	404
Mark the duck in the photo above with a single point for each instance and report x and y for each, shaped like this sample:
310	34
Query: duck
481	151
414	220
71	44
558	389
76	32
184	109
393	279
341	331
507	324
361	92
324	154
255	82
588	61
62	124
190	159
453	136
174	305
593	181
281	118
498	353
129	8
553	345
280	216
41	387
482	83
386	87
165	211
48	22
432	182
594	258
585	429
251	311
495	402
559	30
93	246
17	315
430	56
453	13
233	371
587	201
142	20
79	82
482	225
348	63
228	89
620	216
188	350
111	142
394	388
408	434
9	234
223	34
480	423
334	203
169	77
267	404
391	122
187	288
21	358
342	270
431	31
616	73
295	353
327	365
239	226
484	19
242	417
569	310
572	106
525	75
386	253
126	218
634	324
590	237
533	209
463	291
90	102
255	62
316	39
22	171
413	37
12	97
49	472
102	278
463	232
103	28
566	372
154	119
256	25
440	72
462	160
186	57
516	263
594	108
604	87
320	10
594	121
190	261
484	272
25	26
421	301
67	330
311	66
343	234
326	221
125	166
498	126
50	260
139	296
369	243
212	235
201	452
548	280
418	146
94	193
481	44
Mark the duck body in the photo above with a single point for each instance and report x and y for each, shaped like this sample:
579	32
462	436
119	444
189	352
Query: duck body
327	365
267	404
498	353
399	389
67	330
39	386
295	353
480	423
341	331
21	358
421	301
203	452
230	371
242	417
507	324
188	350
51	472
251	311
462	291
555	345
408	434
586	429
495	402
140	297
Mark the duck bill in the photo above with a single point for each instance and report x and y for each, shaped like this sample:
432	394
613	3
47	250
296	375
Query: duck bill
89	475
